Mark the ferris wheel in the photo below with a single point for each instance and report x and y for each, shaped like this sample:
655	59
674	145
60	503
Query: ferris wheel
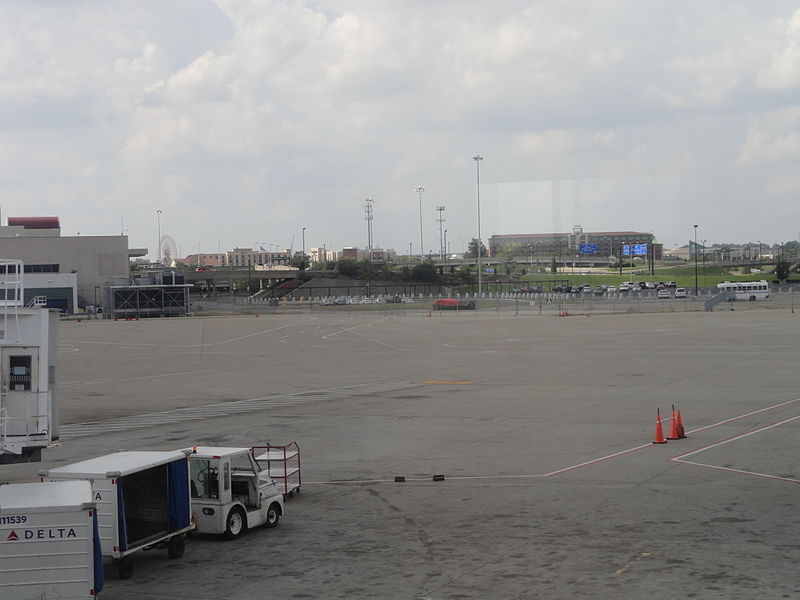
169	251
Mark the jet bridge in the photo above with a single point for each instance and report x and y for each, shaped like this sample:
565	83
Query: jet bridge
28	347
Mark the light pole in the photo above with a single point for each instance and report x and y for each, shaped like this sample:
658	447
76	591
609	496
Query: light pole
409	250
695	260
441	220
704	262
478	158
446	248
419	189
368	217
158	219
303	255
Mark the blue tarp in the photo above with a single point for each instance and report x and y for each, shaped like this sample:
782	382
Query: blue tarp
122	521
179	500
99	579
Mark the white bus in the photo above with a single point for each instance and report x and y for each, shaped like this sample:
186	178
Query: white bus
747	290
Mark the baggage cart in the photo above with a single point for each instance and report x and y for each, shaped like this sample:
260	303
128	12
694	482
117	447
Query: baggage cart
49	541
142	500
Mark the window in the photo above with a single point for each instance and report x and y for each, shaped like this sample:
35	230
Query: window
204	479
41	268
20	376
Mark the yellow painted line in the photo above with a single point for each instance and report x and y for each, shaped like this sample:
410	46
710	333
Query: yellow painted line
630	564
446	382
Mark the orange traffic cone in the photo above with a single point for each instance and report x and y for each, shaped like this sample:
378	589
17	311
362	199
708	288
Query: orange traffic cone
673	427
659	431
681	431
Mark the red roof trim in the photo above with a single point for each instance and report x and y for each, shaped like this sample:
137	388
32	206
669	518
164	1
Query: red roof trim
34	222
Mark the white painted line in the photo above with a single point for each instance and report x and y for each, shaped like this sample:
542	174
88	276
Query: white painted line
731	470
734	438
330	335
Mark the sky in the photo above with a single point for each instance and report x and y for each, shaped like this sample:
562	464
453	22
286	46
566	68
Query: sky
246	121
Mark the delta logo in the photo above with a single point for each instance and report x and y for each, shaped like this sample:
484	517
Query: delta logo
43	534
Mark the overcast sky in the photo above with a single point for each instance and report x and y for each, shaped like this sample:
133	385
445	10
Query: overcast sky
244	121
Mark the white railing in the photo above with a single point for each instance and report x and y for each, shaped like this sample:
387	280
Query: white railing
12	295
14	439
37	301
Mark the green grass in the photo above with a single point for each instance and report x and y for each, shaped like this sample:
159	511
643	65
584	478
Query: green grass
683	276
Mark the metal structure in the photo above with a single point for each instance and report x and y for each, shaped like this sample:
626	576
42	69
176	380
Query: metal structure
123	301
169	251
440	219
368	218
158	220
28	345
478	158
419	189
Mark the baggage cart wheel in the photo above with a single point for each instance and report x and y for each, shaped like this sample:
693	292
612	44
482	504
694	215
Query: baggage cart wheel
176	546
273	515
234	524
124	568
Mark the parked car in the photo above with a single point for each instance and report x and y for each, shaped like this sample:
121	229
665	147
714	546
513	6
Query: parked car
599	290
649	285
586	288
680	293
663	294
671	284
453	304
536	289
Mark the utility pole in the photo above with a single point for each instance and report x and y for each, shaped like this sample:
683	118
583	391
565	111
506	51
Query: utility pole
478	158
419	189
368	218
303	254
440	219
158	218
695	260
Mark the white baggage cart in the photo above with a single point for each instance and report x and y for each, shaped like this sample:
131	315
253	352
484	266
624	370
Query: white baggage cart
142	501
49	543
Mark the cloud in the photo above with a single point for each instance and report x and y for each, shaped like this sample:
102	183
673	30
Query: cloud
783	70
775	138
294	111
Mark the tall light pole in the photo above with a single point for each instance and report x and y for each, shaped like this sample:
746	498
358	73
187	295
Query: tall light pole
419	189
704	261
303	255
158	219
695	260
478	158
368	218
441	220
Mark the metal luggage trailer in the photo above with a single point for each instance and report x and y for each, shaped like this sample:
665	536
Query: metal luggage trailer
142	502
49	541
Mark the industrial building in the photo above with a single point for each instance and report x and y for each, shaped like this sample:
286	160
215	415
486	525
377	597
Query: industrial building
48	256
602	244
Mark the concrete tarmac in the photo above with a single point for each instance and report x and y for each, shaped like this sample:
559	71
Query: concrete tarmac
541	426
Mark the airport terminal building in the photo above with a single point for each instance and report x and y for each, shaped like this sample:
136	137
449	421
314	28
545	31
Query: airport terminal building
65	269
603	244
